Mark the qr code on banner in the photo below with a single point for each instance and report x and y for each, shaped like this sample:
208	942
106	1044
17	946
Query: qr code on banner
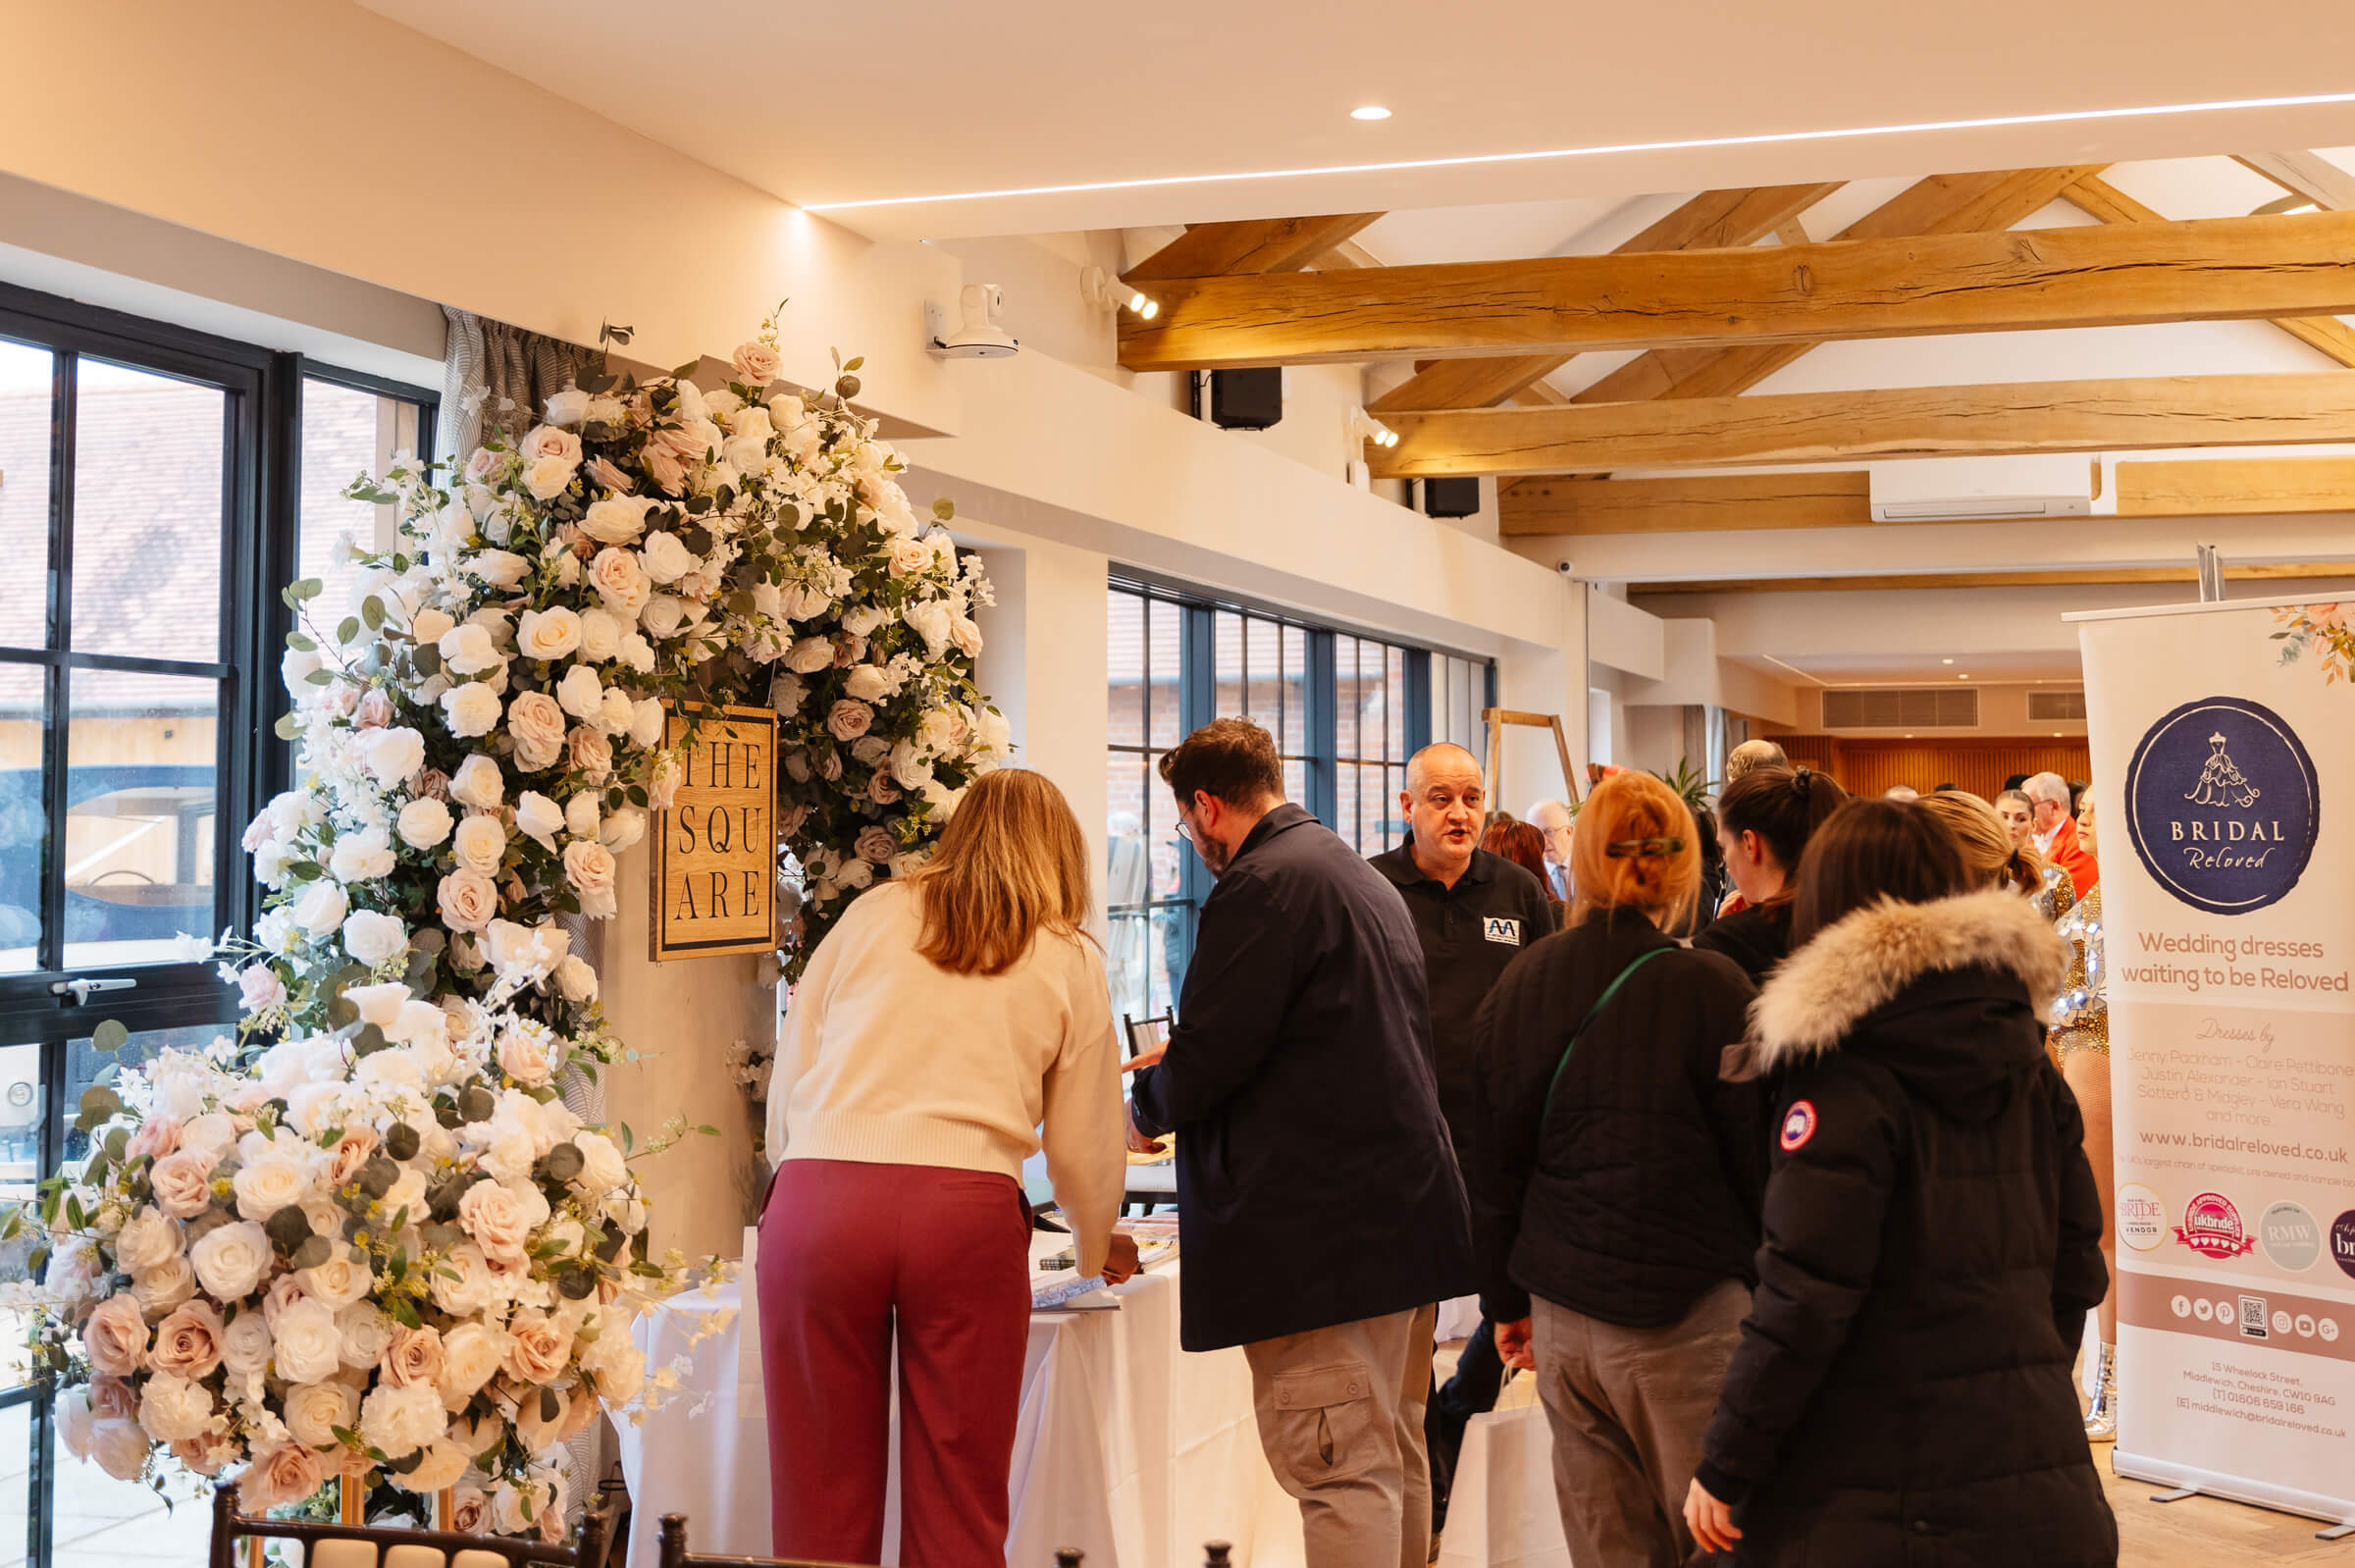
2252	1318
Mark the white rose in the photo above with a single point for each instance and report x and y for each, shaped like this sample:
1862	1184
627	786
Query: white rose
867	683
539	817
930	620
147	1241
909	557
547	477
173	1409
394	754
163	1287
623	828
397	1421
423	823
580	693
576	979
314	1410
374	939
568	407
601	636
367	1332
266	1186
809	655
665	559
377	1004
340	1282
361	856
429	625
469	650
121	1448
245	1343
477	783
418	1024
581	816
663	615
294	667
637	653
602	1168
307	1346
547	634
471	1353
617	519
444	1463
480	843
588	866
467	900
321	909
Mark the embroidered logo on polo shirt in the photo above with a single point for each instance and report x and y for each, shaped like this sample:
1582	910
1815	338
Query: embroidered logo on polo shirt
1798	1125
1501	928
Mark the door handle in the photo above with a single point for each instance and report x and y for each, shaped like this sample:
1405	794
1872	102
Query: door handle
81	989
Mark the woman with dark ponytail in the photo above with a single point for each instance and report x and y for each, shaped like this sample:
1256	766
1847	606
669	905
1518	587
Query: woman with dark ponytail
1765	819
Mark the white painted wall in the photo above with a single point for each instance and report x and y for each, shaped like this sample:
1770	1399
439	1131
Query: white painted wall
459	184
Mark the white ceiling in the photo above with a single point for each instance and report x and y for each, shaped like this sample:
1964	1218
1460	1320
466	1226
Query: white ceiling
898	99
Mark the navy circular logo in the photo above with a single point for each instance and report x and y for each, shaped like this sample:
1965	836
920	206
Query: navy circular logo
2223	804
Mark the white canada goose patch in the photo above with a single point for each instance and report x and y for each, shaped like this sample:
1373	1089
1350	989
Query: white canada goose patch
1501	928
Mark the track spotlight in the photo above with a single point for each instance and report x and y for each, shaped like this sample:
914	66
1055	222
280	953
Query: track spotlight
1103	292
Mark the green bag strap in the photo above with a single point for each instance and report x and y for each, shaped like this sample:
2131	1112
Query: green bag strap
1594	1013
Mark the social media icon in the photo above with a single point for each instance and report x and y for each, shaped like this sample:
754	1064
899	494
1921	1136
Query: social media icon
2327	1329
2305	1325
2181	1306
2280	1321
2204	1310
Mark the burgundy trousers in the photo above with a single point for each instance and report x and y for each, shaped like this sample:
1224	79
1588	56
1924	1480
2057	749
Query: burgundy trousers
849	1254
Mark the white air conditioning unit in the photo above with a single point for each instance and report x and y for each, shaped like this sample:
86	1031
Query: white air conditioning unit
1941	489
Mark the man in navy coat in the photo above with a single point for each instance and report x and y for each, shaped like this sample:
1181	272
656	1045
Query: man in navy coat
1321	1214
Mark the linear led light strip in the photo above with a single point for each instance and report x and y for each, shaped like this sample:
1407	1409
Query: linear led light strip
1762	140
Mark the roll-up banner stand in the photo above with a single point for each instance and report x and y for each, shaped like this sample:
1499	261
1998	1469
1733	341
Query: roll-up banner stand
2223	778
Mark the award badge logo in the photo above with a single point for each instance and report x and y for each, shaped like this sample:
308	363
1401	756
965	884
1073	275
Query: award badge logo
2141	1221
1501	928
1798	1125
2291	1238
2212	1227
2342	1243
2223	804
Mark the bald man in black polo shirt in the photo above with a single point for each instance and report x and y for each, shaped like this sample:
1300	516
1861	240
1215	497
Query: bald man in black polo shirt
1474	913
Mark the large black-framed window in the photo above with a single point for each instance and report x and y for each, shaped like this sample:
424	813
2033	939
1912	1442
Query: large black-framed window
153	498
1346	706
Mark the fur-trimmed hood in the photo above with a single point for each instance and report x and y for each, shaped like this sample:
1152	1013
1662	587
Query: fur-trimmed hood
1861	963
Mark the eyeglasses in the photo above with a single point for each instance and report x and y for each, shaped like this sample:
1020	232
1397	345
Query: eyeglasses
1185	830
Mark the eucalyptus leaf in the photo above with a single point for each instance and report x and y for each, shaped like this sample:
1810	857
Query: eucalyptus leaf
108	1036
372	612
320	677
426	657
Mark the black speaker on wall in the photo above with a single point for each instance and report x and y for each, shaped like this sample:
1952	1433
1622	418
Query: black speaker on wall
1452	497
1246	400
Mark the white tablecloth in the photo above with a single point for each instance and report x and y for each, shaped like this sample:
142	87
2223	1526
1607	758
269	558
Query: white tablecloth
1128	1449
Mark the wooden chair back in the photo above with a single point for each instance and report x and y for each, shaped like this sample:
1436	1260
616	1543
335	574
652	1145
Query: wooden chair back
393	1547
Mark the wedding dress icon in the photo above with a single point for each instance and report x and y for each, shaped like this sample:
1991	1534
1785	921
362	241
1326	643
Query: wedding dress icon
2221	783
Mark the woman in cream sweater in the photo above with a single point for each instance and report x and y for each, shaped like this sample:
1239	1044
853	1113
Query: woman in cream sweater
940	1024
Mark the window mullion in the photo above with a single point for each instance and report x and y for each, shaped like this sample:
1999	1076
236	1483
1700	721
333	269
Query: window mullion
1322	744
63	407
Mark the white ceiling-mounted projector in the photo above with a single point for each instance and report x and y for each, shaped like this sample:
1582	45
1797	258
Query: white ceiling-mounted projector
979	337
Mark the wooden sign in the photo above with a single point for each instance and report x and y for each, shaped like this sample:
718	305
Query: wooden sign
715	850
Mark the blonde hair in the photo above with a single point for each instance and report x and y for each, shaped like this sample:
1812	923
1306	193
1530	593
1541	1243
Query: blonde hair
1013	863
1988	853
1637	848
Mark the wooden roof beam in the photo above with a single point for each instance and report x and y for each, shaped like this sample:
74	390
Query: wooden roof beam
2074	416
1942	204
1241	249
2325	334
1568	504
1715	219
2109	275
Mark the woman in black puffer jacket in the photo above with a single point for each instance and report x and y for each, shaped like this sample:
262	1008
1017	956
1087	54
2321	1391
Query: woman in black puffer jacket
1901	1395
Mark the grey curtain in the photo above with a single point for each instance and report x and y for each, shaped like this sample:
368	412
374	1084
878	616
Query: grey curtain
498	378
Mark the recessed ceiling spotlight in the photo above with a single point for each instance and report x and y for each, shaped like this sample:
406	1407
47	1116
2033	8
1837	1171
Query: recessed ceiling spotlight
1962	677
1371	111
1946	661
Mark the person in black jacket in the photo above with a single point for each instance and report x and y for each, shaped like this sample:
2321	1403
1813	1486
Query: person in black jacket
1902	1391
1319	1206
1765	819
1616	1180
